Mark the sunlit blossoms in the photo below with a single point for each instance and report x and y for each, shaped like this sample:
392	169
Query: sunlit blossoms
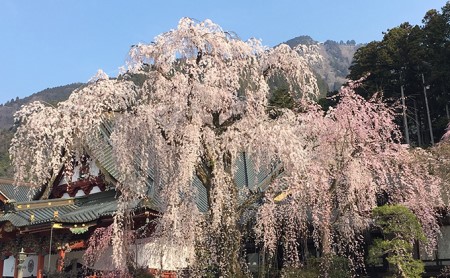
188	105
353	161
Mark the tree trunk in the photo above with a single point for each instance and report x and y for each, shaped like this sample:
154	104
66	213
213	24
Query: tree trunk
226	241
416	118
223	249
327	250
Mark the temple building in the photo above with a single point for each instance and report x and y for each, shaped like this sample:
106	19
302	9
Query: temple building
59	217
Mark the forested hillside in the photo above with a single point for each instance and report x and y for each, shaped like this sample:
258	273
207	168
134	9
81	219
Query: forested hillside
50	95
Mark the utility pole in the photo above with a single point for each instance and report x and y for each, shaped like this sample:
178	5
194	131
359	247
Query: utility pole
50	249
446	110
405	120
428	110
416	117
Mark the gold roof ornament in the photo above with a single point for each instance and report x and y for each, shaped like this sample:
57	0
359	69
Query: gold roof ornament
80	230
57	226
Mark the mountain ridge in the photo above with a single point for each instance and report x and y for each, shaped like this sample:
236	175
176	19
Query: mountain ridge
50	95
337	58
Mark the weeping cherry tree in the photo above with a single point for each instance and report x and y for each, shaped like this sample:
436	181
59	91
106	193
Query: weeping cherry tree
187	105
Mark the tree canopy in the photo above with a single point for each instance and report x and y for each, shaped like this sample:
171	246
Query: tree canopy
400	229
408	56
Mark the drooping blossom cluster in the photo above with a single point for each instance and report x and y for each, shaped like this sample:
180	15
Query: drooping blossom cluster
98	242
446	136
352	161
309	52
188	104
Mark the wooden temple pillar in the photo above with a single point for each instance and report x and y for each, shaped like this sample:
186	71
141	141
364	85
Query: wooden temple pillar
16	263
60	262
2	263
40	266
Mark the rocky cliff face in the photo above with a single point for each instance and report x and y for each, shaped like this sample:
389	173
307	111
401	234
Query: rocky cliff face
337	58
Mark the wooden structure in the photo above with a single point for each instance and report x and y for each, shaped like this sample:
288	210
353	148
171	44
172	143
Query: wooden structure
48	225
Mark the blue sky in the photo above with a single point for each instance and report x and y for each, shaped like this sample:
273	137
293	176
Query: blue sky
49	43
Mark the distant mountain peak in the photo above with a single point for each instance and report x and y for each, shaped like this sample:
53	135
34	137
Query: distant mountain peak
337	58
307	40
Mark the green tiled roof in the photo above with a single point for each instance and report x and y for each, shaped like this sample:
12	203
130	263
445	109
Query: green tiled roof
15	219
246	174
44	215
20	193
79	210
94	206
